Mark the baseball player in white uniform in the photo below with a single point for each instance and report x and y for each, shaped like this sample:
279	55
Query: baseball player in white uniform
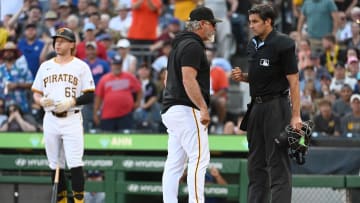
61	86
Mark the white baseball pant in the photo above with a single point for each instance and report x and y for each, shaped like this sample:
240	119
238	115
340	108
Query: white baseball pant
188	139
66	133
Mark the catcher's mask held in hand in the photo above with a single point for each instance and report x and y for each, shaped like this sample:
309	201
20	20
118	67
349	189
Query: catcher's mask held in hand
296	140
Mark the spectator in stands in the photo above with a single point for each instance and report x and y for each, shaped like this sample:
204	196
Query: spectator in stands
107	40
99	68
218	100
82	10
350	123
213	176
233	128
64	11
325	80
106	7
129	61
304	53
332	53
309	75
160	83
15	81
3	116
320	18
17	122
344	28
73	23
340	78
161	61
115	115
53	5
217	61
33	16
147	115
31	46
352	51
319	69
355	14
357	86
307	98
352	66
94	197
224	39
121	23
89	36
167	35
341	105
326	121
354	40
144	31
50	20
345	6
94	18
103	26
92	8
20	61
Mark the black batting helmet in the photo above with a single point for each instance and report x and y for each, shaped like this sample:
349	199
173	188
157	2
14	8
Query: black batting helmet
65	33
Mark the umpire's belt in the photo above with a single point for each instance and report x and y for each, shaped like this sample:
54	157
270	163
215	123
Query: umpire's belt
64	114
266	98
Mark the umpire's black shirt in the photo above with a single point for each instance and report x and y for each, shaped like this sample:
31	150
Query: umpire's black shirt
270	61
187	50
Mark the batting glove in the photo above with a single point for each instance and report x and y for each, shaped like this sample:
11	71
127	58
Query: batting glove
64	105
46	102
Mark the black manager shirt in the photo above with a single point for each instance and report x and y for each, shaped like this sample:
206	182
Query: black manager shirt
187	50
270	61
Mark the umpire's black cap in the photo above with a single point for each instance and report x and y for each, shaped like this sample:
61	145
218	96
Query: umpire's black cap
203	13
65	33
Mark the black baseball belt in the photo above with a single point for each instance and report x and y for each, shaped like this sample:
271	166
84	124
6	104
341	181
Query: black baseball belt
64	114
266	98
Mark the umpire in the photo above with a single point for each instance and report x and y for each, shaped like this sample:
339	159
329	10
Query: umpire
273	74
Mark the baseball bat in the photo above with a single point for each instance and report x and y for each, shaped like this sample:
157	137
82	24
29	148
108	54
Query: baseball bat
55	186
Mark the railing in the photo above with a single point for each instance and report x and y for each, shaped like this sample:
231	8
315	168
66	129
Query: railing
17	169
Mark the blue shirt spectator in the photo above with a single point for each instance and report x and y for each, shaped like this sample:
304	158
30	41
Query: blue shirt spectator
31	47
15	75
98	68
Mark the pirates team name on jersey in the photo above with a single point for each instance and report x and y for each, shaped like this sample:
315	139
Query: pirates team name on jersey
63	77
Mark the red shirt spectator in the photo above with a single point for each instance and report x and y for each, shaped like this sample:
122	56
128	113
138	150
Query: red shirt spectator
81	50
116	91
89	36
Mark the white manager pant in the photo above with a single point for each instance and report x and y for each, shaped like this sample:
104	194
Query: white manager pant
188	139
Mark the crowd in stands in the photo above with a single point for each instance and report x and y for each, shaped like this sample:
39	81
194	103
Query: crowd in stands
126	44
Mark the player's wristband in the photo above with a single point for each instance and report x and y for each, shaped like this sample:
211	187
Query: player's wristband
86	98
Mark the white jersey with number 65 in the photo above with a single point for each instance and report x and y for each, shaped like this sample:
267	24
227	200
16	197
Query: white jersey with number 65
59	81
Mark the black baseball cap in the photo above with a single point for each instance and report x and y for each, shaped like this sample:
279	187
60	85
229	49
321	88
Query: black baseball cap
203	13
116	60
